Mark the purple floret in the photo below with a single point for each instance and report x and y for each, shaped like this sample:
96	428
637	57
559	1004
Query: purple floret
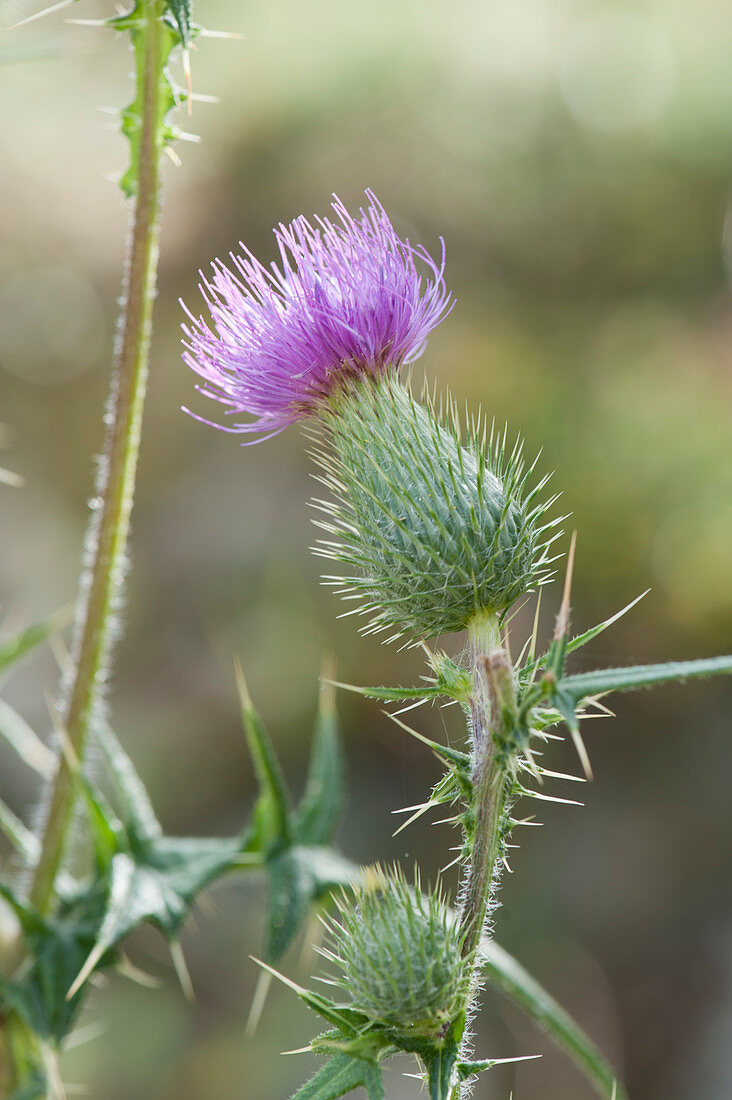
347	300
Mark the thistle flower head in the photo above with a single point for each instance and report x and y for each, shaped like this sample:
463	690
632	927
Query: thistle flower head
347	301
398	955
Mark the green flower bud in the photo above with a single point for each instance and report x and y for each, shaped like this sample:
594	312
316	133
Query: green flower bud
398	952
435	529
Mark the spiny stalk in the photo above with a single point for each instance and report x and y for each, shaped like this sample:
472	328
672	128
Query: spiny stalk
109	525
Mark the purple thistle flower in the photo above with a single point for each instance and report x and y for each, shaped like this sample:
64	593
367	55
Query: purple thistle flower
347	301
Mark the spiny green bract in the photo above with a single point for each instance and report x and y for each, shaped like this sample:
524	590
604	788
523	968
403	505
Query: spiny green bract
435	529
399	956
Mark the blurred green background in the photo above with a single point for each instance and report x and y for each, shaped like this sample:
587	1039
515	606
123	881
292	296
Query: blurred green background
577	159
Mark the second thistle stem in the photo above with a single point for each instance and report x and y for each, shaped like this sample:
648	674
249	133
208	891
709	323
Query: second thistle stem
107	539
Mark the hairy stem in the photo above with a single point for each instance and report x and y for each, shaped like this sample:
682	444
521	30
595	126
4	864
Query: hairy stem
109	527
488	788
491	700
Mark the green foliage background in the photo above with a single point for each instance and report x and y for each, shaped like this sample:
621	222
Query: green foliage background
577	159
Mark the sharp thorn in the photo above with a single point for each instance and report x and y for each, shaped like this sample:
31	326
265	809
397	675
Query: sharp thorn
40	14
561	628
241	685
181	969
203	33
582	753
188	79
259	999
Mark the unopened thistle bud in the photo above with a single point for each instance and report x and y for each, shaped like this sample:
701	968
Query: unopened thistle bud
398	956
435	530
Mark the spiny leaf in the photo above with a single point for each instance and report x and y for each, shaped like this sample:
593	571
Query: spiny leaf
107	834
298	878
504	972
181	12
455	786
31	921
582	639
450	681
345	1019
148	876
134	800
271	823
453	757
45	997
317	815
586	684
330	869
163	96
291	889
158	882
341	1075
469	1069
370	1045
300	869
441	1064
391	694
184	866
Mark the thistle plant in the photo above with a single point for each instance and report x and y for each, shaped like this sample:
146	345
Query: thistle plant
437	530
435	526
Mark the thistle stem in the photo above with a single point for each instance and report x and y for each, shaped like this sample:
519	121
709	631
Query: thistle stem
489	782
490	790
109	527
490	702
